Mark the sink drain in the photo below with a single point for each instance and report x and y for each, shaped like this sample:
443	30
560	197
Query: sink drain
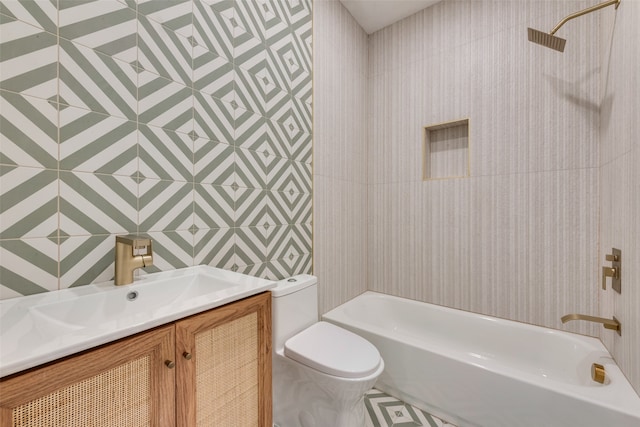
131	296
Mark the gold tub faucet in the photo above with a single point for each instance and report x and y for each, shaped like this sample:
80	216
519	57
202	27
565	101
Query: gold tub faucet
129	257
607	323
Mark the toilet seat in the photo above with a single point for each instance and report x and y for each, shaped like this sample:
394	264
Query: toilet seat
334	351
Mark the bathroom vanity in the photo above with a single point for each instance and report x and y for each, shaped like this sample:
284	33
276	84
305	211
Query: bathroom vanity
209	368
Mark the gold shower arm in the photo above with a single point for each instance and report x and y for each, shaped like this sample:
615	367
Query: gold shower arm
584	12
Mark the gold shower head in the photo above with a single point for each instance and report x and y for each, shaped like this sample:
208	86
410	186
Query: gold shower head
556	43
545	39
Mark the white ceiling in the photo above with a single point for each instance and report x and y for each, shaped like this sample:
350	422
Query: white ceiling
373	15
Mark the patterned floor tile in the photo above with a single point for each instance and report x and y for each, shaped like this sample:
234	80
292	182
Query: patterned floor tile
383	410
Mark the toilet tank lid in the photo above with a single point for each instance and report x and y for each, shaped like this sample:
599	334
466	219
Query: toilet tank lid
333	350
293	284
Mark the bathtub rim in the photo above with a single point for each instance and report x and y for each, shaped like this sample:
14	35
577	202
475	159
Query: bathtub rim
629	405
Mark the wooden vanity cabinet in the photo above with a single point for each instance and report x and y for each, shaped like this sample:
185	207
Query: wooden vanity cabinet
225	353
125	383
209	370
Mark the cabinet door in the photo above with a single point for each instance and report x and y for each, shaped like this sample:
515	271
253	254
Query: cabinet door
124	384
224	366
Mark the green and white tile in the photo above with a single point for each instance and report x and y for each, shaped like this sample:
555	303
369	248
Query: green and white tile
277	269
165	154
249	52
213	74
97	143
28	131
97	82
251	168
383	410
189	120
300	148
251	245
251	208
213	29
164	52
300	205
278	173
165	103
97	204
86	259
171	250
28	266
278	241
29	205
278	139
41	14
278	208
249	128
214	119
165	205
215	247
214	206
28	59
177	15
106	26
248	91
298	264
214	162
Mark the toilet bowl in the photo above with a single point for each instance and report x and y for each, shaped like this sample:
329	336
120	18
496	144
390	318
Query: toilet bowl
320	371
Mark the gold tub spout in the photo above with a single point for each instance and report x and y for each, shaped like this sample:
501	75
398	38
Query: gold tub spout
607	323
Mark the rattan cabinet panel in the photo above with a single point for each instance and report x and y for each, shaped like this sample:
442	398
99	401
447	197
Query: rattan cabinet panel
227	379
208	370
124	384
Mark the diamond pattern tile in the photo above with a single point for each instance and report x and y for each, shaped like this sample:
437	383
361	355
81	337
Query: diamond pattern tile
106	26
383	410
28	59
28	131
97	82
97	143
188	120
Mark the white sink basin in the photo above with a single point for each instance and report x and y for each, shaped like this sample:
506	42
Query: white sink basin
41	328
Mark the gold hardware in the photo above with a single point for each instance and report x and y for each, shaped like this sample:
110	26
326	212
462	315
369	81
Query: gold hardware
583	12
129	257
597	373
170	364
550	40
614	271
612	324
187	355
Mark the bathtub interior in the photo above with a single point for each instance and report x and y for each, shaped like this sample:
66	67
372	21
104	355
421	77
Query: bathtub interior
522	359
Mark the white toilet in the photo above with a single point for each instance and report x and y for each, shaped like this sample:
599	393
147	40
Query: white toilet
320	371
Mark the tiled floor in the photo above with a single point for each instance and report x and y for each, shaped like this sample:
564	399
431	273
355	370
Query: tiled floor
387	411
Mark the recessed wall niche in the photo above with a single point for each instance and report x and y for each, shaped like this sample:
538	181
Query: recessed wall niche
446	150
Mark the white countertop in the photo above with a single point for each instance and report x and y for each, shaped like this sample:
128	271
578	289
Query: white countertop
44	327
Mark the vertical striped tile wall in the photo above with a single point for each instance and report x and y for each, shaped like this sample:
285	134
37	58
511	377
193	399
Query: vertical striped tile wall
340	134
518	238
189	120
620	180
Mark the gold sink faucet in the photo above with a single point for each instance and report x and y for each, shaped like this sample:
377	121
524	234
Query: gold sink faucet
129	257
607	323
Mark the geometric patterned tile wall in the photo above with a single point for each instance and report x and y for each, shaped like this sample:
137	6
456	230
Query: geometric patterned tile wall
189	120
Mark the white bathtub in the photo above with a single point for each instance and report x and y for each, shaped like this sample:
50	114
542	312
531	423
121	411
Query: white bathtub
476	370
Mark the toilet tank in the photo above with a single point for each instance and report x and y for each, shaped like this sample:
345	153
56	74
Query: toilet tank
294	307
